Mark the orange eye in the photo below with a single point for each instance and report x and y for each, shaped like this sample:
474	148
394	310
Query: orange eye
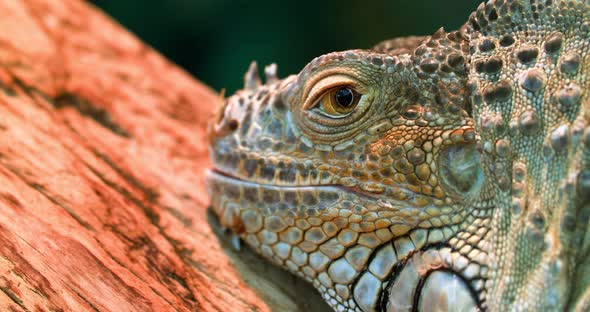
338	102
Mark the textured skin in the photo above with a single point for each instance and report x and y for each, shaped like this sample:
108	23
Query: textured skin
460	181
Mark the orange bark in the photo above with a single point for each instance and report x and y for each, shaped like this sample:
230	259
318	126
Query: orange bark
102	152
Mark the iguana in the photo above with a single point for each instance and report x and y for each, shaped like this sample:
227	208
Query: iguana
442	173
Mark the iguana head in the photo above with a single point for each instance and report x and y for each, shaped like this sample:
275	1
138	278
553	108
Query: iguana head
418	173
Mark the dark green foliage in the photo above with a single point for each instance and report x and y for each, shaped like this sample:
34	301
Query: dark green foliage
215	40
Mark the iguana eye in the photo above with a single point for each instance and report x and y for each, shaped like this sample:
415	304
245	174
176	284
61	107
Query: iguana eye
338	102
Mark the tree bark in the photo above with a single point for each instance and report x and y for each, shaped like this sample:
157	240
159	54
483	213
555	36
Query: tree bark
102	152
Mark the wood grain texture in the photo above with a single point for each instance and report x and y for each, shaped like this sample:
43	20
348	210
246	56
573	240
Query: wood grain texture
102	152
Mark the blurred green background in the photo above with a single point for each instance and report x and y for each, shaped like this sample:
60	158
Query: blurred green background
215	40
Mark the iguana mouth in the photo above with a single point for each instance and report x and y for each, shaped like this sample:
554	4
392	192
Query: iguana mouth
216	173
233	198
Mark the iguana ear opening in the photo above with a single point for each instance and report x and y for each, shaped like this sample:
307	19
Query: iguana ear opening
461	168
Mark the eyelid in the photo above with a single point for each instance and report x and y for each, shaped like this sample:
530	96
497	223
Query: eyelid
326	84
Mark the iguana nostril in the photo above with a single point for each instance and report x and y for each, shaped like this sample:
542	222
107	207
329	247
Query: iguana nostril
223	127
232	125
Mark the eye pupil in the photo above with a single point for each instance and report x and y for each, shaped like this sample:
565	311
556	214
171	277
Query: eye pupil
344	97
